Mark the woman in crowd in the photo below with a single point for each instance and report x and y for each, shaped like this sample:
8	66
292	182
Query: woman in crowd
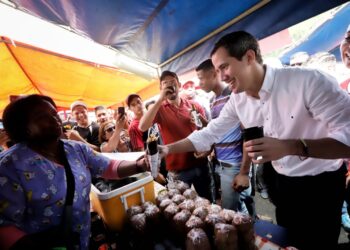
42	174
114	138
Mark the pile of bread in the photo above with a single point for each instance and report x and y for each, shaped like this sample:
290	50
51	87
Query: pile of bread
194	220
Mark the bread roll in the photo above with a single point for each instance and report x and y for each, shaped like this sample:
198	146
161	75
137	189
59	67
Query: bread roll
188	205
201	212
197	240
171	210
133	211
228	215
194	222
225	237
190	194
178	198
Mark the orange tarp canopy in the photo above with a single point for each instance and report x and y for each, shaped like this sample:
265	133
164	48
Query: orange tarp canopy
26	70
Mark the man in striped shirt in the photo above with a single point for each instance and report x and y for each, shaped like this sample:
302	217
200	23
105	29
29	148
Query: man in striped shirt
228	152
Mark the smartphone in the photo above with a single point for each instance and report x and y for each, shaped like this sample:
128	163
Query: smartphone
121	110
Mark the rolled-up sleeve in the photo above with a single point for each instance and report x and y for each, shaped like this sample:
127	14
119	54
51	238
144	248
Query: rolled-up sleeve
330	104
203	139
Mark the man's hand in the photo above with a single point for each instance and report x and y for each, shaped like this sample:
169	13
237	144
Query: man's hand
241	182
201	154
167	88
73	135
163	151
203	120
267	149
3	138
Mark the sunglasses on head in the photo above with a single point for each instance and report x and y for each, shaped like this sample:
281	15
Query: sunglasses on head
111	129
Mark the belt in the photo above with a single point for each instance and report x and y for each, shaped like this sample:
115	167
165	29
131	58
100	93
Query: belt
224	164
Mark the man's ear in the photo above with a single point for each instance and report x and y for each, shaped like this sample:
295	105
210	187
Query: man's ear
214	73
178	84
251	57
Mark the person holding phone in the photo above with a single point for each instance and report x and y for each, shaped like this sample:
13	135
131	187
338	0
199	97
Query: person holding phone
114	138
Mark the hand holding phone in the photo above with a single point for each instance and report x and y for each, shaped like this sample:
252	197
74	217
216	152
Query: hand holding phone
121	111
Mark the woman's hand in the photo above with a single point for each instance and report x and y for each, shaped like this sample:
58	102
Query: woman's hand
142	163
121	121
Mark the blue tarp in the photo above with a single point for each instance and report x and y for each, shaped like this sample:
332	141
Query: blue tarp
327	37
155	31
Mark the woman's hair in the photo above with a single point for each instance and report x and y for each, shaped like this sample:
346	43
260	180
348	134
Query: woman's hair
16	115
101	131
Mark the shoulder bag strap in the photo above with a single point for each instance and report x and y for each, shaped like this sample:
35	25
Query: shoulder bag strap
66	223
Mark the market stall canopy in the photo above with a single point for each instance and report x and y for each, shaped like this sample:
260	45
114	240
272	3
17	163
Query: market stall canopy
326	37
151	35
32	70
176	35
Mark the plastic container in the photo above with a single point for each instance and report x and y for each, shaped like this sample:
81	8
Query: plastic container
112	206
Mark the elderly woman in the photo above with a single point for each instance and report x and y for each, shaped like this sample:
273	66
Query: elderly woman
114	138
42	175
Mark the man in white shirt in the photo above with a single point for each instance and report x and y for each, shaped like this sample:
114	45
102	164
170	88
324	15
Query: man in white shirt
307	134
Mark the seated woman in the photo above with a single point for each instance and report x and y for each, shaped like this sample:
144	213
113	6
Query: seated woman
114	138
41	172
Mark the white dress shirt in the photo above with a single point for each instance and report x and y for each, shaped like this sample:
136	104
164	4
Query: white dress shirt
294	103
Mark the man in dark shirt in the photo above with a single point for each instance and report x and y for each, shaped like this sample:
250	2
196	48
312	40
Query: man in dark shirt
84	130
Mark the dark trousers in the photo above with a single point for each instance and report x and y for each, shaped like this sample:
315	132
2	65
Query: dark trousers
310	208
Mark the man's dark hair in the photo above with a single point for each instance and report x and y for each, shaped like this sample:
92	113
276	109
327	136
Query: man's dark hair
100	107
16	115
168	73
206	65
237	44
149	103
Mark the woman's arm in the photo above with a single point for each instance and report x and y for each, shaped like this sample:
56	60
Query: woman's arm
113	142
122	169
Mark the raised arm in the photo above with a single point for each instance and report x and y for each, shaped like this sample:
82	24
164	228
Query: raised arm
113	142
147	119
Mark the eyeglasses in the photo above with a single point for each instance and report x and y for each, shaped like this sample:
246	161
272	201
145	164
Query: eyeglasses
109	130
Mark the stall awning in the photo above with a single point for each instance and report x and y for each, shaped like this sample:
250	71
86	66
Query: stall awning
26	70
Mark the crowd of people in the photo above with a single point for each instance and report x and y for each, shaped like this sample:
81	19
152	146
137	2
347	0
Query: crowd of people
47	164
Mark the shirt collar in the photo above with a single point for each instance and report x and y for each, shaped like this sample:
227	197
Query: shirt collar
267	85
